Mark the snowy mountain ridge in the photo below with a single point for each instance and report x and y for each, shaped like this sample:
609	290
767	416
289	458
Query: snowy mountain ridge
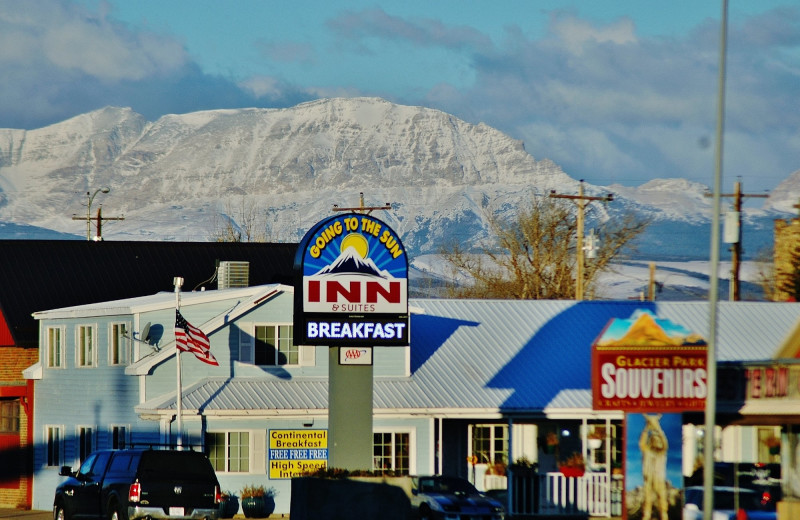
180	177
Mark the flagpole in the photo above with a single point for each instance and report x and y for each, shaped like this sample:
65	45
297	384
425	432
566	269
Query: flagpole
178	281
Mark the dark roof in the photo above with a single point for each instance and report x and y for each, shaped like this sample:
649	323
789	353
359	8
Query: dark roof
39	275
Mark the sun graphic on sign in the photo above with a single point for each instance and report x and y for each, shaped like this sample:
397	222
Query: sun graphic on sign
357	242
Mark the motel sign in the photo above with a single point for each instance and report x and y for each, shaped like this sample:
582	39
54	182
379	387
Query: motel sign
352	284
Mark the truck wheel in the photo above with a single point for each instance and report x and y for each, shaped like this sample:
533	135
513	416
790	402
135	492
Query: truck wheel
60	514
114	513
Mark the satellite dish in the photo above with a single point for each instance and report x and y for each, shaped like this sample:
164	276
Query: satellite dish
145	334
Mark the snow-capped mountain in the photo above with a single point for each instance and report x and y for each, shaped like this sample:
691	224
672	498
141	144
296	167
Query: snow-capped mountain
184	176
350	262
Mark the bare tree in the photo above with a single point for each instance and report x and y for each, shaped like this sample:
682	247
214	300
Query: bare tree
534	256
242	223
765	274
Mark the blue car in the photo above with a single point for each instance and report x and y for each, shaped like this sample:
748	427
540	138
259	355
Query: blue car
452	498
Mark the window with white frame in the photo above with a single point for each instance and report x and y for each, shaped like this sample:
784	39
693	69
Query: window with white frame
391	451
85	438
85	346
274	345
119	347
55	347
119	436
228	451
490	443
54	439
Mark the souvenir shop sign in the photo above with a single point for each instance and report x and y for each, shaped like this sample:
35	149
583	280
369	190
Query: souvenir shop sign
647	364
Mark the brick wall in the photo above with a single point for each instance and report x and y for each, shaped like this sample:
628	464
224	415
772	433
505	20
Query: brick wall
13	361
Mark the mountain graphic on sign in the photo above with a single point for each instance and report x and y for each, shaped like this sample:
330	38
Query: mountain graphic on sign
350	262
645	331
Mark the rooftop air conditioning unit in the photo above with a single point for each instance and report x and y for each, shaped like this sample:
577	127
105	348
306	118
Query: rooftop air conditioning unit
233	274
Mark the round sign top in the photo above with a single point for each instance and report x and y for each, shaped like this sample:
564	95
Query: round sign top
353	243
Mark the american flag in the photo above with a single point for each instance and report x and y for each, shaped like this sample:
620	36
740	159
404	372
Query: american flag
189	338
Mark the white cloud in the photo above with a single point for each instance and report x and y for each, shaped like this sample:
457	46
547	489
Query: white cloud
601	101
69	38
575	33
262	86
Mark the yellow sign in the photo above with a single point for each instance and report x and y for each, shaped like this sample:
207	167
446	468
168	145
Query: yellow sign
293	453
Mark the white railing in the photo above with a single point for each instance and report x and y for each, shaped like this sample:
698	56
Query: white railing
592	494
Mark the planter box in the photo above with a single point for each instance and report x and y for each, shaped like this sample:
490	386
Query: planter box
258	507
229	507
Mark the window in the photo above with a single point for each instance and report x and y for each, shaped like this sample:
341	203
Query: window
85	346
9	416
274	345
55	347
119	347
490	443
119	437
391	452
85	436
54	440
229	451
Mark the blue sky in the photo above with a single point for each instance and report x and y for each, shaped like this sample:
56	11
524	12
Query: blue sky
613	91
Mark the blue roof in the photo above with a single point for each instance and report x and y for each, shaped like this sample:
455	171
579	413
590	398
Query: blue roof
508	356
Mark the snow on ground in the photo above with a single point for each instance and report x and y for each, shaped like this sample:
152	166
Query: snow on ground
629	280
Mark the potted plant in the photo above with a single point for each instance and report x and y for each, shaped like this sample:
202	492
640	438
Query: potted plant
229	505
523	467
595	438
498	469
551	442
574	466
774	445
258	501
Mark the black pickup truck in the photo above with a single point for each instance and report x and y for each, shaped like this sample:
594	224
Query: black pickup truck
132	484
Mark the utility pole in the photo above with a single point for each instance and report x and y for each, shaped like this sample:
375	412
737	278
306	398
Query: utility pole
581	201
98	224
736	247
88	218
651	286
100	219
361	208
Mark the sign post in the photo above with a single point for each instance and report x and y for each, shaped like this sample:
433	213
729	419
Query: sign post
351	294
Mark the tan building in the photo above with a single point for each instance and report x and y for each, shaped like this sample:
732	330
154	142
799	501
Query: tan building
787	257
